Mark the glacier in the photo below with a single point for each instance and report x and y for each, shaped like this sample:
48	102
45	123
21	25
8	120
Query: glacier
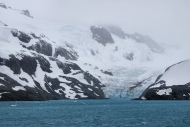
75	61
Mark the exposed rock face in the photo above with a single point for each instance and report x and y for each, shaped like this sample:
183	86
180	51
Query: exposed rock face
67	67
91	92
141	83
1	23
175	92
69	55
14	64
101	35
55	85
34	36
116	31
154	46
167	86
38	64
25	94
3	5
129	56
93	53
27	13
107	72
14	32
44	63
21	35
61	87
28	65
42	47
24	37
24	12
23	79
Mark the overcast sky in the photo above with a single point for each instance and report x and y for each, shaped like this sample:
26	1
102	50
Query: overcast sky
166	21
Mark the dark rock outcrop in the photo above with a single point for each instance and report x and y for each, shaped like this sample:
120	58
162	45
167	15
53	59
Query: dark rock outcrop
95	91
29	94
55	85
91	92
44	63
116	31
27	13
178	92
14	64
21	35
42	47
52	85
3	23
3	5
28	65
23	79
107	72
14	32
140	83
34	36
68	55
161	89
129	56
101	35
26	83
24	37
92	52
67	67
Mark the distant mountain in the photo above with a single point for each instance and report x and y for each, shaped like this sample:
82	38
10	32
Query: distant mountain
116	31
42	60
173	84
154	46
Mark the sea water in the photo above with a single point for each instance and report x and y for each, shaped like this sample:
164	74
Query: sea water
95	113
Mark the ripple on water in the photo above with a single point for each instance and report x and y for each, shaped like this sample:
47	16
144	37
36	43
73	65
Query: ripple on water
95	113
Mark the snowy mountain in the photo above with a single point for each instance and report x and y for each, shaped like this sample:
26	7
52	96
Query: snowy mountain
42	60
173	84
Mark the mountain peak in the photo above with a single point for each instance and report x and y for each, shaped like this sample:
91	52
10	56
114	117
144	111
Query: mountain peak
24	12
3	5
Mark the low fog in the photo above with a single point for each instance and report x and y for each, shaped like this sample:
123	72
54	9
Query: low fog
164	21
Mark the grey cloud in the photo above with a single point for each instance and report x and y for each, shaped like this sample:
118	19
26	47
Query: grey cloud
166	21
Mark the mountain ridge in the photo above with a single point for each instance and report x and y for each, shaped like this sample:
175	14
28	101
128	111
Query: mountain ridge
70	61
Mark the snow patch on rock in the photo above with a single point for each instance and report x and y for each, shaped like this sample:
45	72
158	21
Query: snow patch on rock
164	91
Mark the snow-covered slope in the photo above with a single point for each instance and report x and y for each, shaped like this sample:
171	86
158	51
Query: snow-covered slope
173	84
46	60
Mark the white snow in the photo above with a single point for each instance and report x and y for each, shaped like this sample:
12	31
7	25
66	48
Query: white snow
77	87
1	84
96	94
68	92
157	85
82	95
3	93
2	78
90	89
58	91
64	80
17	88
177	74
144	65
164	91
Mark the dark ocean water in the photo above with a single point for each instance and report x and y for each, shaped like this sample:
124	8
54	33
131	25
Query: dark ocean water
95	113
